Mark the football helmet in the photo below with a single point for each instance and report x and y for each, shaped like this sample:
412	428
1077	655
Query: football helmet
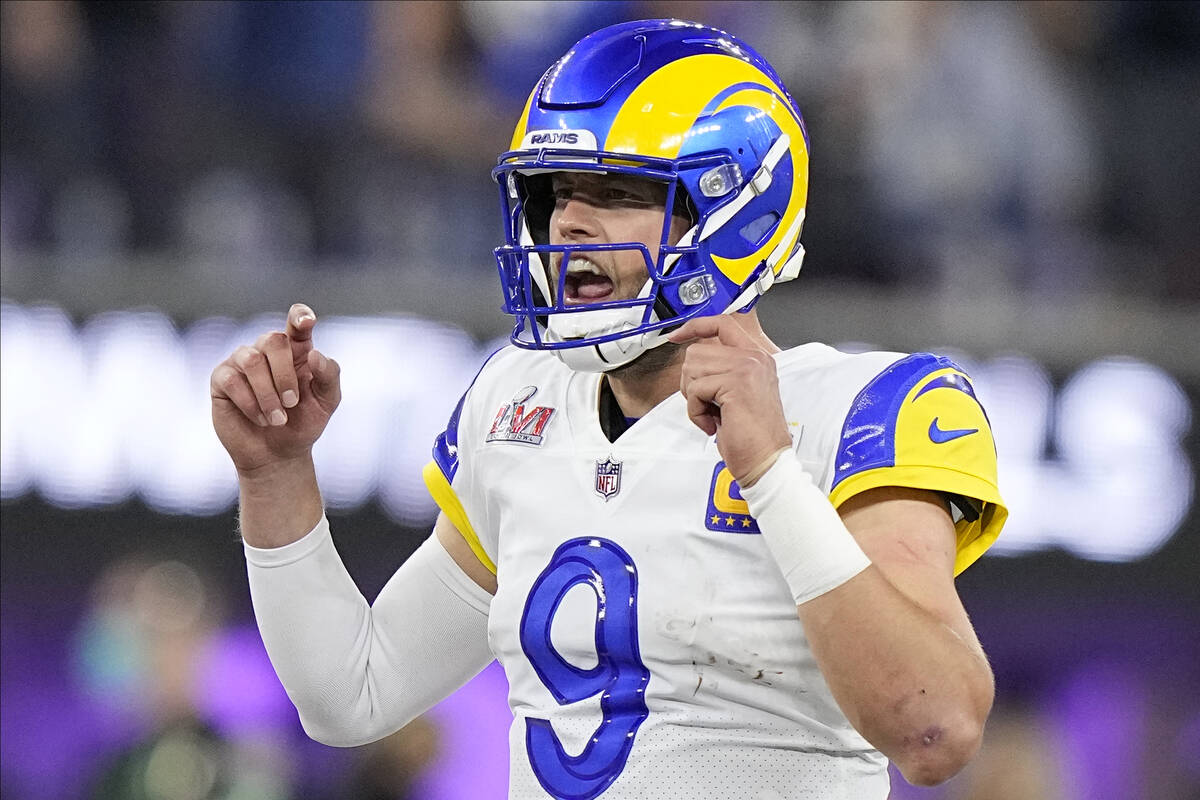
672	101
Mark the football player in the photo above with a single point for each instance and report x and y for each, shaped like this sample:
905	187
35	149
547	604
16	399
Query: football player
708	566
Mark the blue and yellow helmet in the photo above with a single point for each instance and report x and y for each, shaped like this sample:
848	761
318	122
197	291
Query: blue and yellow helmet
677	102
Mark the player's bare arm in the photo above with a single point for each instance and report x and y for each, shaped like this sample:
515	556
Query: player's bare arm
270	403
456	545
893	642
938	703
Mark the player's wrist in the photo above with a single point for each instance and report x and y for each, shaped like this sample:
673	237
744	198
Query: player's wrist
752	475
812	547
279	503
269	474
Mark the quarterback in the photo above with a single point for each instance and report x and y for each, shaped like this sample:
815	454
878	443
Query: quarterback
708	566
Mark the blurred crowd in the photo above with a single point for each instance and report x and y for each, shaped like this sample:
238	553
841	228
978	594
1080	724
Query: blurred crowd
190	709
1042	147
170	699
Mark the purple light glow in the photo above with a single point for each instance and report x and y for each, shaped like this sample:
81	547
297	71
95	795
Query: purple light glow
902	790
1101	725
238	691
52	736
1189	746
473	723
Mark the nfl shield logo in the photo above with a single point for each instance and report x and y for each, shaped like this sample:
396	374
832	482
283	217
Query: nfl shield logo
608	477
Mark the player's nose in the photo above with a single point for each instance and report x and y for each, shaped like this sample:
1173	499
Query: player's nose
575	220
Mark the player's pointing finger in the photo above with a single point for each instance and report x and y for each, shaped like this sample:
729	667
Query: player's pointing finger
721	327
300	322
699	328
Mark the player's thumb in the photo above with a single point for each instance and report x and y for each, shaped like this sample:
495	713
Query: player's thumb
327	381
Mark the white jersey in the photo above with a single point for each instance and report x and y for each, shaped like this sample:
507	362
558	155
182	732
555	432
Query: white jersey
651	645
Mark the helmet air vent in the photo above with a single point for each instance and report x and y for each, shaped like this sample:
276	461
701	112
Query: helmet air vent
758	230
591	71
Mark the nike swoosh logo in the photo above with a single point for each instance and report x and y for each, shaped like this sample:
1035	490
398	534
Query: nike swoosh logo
939	436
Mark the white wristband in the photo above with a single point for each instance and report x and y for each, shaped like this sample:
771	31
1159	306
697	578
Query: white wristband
802	530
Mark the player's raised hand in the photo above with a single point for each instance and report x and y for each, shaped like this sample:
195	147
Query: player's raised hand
732	390
271	400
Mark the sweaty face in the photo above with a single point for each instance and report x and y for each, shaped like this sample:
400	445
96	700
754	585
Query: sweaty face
591	208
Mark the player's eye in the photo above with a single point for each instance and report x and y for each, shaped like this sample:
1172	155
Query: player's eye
627	196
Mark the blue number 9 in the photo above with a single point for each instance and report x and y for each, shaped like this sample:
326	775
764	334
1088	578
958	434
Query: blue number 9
619	676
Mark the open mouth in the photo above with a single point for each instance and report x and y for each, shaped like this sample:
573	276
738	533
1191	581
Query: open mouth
585	284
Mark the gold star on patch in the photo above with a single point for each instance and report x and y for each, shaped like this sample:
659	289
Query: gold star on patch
716	518
729	522
746	522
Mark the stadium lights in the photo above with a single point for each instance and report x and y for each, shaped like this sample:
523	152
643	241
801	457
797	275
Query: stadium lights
118	407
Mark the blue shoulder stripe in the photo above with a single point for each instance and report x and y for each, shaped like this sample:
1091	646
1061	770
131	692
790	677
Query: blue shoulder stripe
868	439
445	446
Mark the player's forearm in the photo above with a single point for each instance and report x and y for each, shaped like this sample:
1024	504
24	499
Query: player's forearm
912	685
279	503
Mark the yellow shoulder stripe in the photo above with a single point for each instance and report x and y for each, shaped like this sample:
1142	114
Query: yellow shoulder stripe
443	494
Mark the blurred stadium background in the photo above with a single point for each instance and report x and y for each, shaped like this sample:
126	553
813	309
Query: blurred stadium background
1016	185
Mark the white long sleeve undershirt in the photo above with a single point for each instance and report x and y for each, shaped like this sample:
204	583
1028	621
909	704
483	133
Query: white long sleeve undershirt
358	672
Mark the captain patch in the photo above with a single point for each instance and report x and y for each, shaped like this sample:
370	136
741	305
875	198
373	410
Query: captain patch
727	510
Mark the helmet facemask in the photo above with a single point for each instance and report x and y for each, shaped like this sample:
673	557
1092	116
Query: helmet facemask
588	336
